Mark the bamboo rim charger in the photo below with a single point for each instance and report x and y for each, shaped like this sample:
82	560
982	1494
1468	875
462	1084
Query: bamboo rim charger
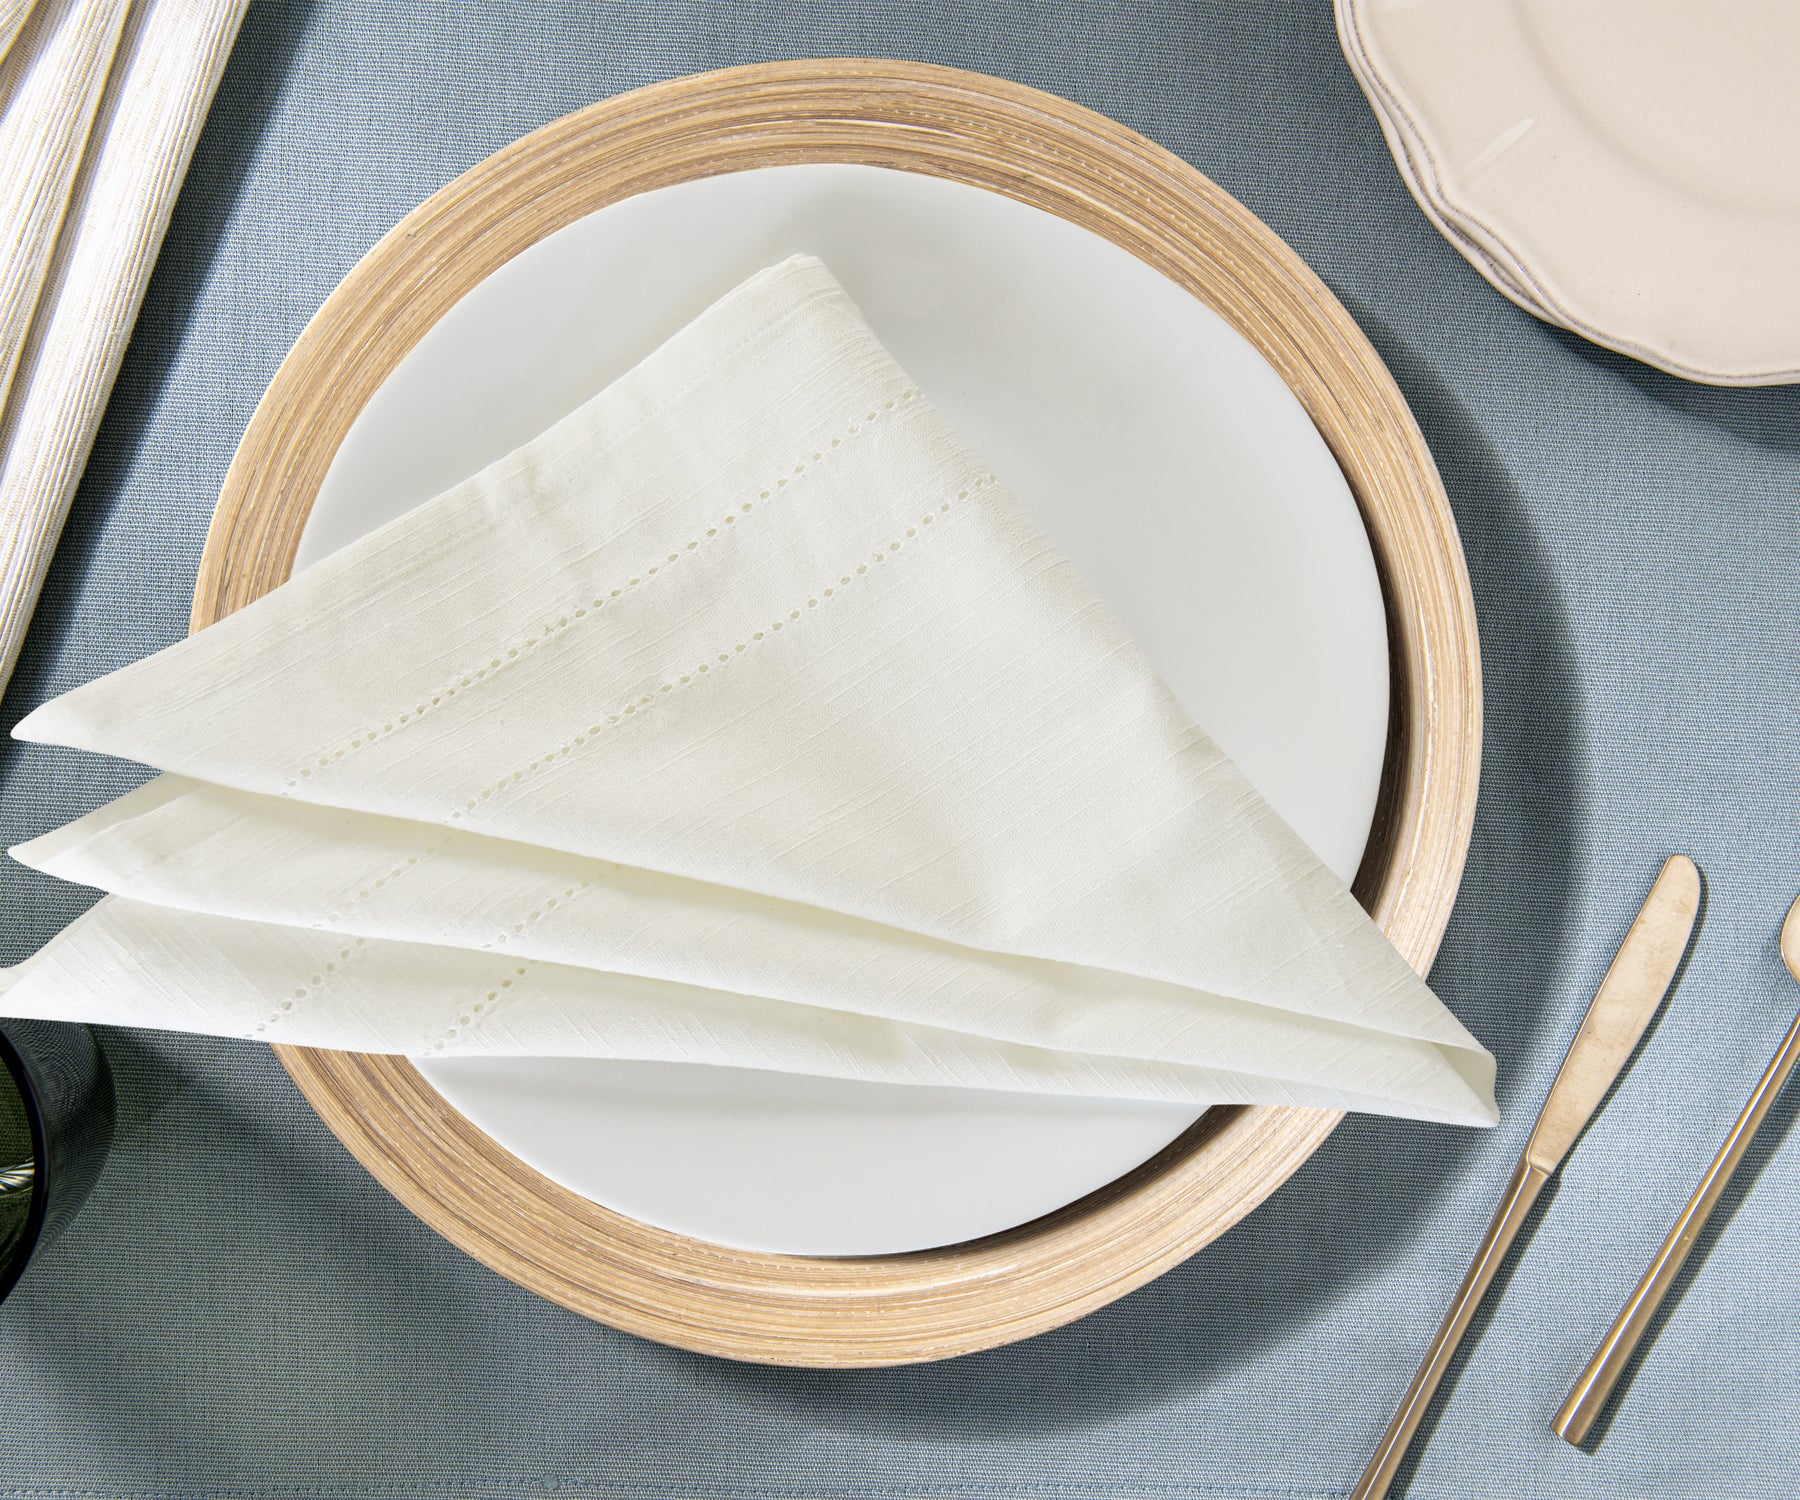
1055	156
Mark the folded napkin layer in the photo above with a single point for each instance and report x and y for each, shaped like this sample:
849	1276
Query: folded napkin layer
130	964
757	648
220	852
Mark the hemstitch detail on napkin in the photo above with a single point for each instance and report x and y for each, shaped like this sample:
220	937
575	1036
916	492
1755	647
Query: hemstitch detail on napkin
328	974
483	1009
389	877
646	701
571	894
570	616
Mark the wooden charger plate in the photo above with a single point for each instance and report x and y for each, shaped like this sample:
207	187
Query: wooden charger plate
1082	167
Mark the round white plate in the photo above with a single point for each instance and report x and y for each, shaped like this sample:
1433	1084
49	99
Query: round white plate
1631	171
1152	443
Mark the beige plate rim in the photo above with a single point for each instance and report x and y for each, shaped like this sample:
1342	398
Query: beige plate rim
1549	286
1056	156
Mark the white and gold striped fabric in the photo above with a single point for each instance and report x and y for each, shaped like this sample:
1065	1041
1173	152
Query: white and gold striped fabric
101	102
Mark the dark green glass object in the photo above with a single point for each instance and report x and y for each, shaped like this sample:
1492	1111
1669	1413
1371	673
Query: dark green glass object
56	1120
18	1171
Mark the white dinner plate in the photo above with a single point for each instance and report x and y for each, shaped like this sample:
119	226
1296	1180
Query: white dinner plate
1152	443
1630	171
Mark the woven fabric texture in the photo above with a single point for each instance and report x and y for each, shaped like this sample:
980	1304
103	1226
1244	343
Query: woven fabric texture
241	1312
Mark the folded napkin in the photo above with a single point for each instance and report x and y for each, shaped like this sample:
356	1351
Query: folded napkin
740	717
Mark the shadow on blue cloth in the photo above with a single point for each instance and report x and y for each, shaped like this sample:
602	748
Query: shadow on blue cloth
1768	415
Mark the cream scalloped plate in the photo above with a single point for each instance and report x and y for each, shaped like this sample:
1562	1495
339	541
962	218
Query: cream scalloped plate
1628	171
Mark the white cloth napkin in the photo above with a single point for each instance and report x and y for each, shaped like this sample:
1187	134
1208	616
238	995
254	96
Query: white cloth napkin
101	102
741	717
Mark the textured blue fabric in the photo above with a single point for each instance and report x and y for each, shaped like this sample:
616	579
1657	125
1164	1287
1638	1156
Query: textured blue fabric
242	1312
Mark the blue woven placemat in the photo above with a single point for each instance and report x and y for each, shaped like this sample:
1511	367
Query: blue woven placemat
241	1312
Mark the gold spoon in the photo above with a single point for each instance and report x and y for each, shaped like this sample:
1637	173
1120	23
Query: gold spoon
1588	1395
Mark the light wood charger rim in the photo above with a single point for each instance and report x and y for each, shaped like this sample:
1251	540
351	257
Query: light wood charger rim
1042	151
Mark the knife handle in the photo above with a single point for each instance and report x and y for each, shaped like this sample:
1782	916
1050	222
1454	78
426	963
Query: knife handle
1527	1182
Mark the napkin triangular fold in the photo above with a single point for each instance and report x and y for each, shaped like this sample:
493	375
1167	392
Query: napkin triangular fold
644	937
754	621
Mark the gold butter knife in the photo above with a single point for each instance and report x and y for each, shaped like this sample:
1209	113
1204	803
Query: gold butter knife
1635	983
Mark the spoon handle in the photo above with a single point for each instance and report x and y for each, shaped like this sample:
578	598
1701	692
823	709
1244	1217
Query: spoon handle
1588	1395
